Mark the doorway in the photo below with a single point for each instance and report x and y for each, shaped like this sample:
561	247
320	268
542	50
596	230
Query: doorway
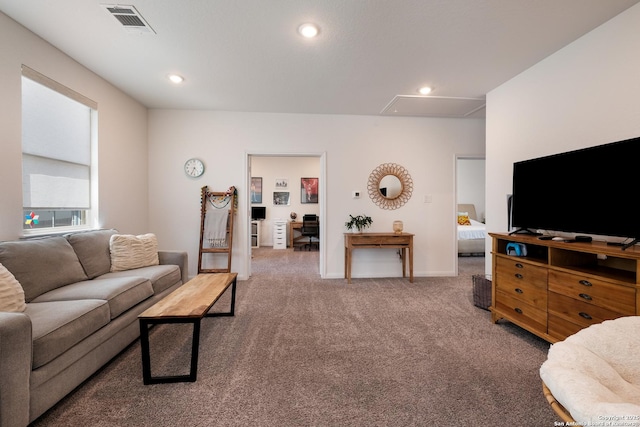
280	176
470	189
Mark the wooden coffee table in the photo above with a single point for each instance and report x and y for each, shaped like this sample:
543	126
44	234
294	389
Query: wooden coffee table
187	304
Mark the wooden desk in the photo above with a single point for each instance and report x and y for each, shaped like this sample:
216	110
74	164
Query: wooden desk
402	241
187	304
294	225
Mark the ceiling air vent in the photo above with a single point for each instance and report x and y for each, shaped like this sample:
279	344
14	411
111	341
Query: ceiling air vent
129	17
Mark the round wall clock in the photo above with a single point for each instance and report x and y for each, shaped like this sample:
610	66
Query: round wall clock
194	168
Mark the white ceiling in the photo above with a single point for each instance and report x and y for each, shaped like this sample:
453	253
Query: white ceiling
370	57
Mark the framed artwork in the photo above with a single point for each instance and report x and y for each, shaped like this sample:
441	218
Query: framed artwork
309	190
282	183
281	198
256	190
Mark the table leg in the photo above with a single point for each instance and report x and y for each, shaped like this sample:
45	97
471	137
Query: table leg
144	345
347	264
232	310
411	264
146	358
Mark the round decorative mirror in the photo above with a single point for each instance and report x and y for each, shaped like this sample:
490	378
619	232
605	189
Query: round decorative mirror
390	186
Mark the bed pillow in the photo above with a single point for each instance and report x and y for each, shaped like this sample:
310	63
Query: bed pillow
129	251
11	292
463	218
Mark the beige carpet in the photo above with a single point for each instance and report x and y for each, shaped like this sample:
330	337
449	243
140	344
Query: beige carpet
302	351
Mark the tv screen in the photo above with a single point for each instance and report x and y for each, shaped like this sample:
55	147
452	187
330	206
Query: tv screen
588	191
258	212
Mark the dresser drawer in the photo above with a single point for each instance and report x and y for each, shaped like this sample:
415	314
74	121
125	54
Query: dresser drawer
618	298
579	312
518	310
524	291
514	272
560	328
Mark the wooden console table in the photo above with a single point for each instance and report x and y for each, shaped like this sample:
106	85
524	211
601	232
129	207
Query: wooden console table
402	241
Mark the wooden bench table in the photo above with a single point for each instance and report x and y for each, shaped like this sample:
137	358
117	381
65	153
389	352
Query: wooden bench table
187	304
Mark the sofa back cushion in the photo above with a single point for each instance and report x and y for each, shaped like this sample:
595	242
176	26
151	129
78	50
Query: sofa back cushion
129	251
41	265
92	249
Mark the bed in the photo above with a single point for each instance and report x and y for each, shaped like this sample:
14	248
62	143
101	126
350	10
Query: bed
472	236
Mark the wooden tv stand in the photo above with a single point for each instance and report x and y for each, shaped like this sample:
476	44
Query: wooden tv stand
560	287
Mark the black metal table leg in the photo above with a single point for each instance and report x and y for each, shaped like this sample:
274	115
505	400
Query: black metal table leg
147	378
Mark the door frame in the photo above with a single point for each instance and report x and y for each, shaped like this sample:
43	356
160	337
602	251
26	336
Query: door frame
322	199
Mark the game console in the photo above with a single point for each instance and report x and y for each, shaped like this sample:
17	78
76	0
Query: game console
516	249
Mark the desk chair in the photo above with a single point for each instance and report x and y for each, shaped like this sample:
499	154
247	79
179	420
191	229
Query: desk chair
310	228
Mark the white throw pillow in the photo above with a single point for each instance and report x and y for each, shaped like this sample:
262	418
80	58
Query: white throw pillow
129	251
11	292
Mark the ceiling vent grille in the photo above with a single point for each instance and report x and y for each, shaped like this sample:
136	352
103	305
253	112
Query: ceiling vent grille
130	18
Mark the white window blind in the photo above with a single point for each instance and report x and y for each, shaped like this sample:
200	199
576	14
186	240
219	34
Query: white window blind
56	145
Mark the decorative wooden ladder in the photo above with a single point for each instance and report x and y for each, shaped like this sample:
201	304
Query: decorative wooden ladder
216	200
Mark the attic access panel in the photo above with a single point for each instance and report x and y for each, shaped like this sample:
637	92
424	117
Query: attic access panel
435	106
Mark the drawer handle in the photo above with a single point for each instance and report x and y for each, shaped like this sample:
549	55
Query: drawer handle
519	276
518	310
585	283
518	265
585	296
519	291
585	315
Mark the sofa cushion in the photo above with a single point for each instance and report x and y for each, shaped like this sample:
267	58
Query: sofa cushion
41	265
129	251
59	325
11	293
121	293
92	249
161	276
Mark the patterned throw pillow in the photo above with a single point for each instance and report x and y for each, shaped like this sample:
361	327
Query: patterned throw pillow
129	251
11	292
463	218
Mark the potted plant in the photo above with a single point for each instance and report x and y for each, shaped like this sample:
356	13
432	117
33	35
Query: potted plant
359	222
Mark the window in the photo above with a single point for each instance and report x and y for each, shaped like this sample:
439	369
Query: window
57	139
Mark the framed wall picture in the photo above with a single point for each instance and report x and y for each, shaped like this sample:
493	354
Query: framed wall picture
256	190
281	198
309	190
282	183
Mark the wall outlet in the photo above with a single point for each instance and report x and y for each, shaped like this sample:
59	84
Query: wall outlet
428	198
356	194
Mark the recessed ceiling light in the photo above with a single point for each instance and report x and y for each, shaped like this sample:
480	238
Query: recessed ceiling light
424	90
308	30
175	78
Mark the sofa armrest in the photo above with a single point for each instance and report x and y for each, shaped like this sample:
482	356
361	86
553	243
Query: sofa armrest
178	258
15	368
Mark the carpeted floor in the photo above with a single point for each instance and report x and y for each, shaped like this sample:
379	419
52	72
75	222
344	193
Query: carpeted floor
302	351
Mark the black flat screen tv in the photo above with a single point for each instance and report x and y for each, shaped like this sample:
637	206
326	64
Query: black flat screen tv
258	212
591	191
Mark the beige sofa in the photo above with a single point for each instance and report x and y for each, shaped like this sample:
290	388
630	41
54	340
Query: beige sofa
79	314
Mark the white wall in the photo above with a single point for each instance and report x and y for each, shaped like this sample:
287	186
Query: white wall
354	146
270	168
122	133
143	187
583	95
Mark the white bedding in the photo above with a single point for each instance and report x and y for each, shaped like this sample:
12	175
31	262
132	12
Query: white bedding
476	230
